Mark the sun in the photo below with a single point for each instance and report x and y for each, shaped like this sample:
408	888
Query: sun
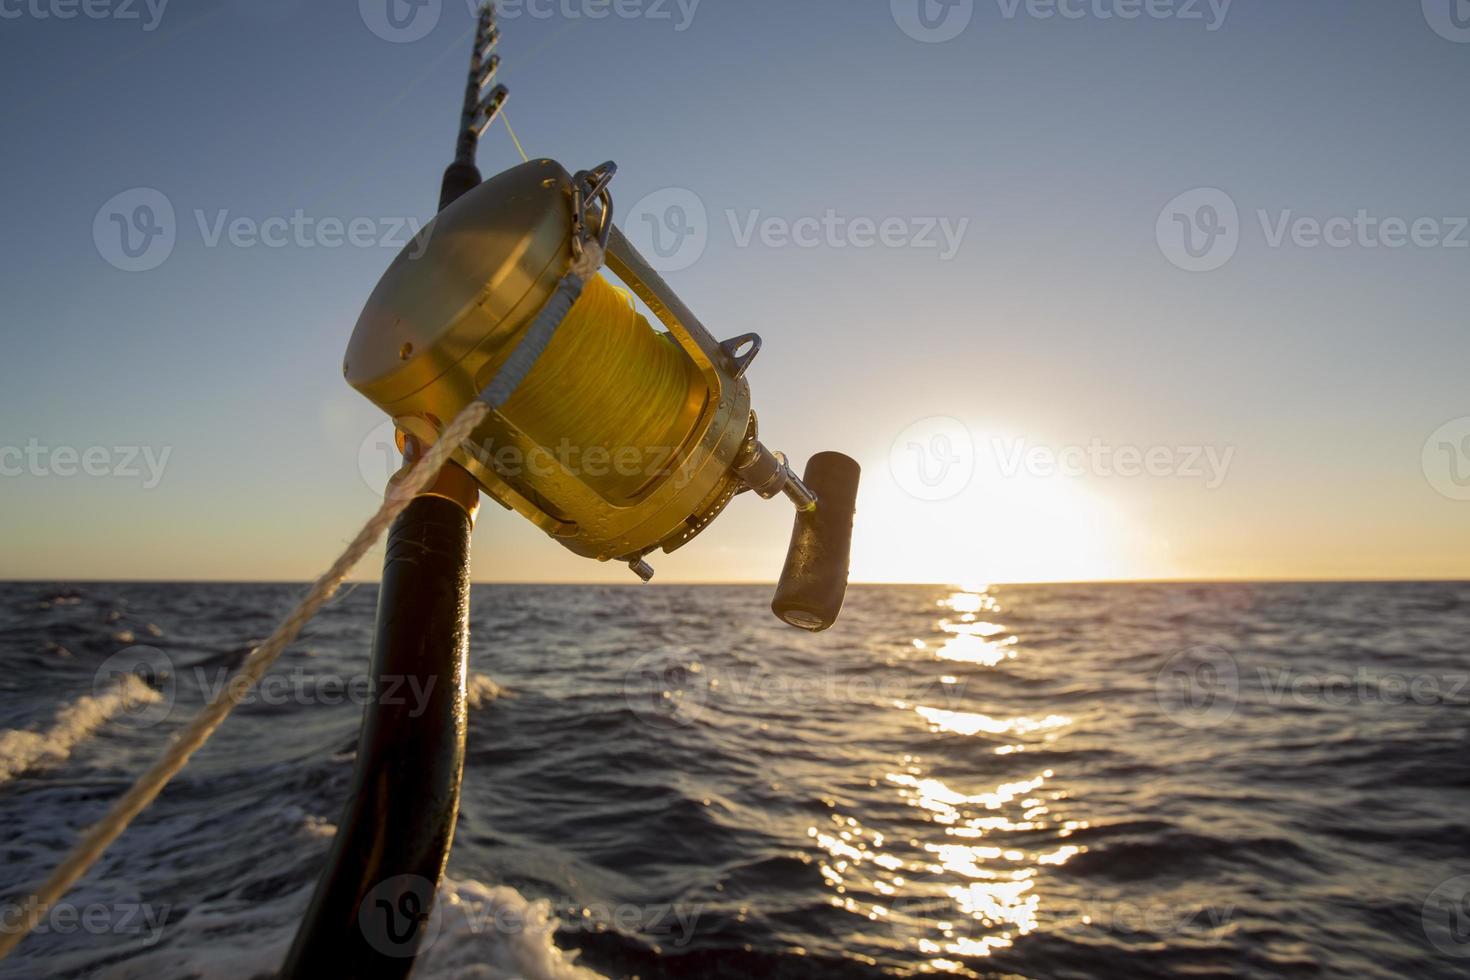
1000	527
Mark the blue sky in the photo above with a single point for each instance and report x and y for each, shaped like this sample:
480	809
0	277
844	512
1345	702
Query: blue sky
1063	317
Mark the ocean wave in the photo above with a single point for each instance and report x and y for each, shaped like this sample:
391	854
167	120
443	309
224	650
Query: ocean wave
21	751
806	825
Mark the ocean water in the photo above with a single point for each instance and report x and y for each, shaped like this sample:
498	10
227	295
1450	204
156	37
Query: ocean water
1034	781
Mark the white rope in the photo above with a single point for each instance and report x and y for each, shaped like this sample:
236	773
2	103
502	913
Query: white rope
151	783
536	338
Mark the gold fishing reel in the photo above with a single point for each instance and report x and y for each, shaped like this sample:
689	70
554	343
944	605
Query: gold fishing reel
621	439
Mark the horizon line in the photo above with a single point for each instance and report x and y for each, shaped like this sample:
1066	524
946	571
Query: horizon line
766	582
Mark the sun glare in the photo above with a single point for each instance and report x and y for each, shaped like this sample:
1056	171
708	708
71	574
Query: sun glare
999	528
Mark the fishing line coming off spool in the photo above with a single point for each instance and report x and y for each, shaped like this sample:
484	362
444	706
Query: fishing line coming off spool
611	398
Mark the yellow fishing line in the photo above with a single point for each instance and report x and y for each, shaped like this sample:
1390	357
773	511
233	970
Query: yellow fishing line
519	149
610	384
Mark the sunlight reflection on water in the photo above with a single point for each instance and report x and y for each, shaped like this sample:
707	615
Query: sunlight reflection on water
968	886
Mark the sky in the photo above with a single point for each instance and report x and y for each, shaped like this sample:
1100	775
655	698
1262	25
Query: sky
1093	289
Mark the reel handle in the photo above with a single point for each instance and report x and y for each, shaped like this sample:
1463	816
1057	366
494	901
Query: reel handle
814	581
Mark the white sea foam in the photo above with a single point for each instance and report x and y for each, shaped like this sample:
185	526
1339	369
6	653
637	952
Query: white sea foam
481	932
491	932
228	939
22	750
481	691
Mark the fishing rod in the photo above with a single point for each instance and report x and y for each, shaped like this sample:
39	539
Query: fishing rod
392	842
615	439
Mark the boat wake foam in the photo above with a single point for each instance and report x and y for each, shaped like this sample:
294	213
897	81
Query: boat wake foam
481	690
485	932
22	750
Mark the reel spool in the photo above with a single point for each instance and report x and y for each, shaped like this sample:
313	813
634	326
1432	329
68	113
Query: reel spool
621	440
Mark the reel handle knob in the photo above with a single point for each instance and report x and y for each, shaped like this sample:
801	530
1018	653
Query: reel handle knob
814	581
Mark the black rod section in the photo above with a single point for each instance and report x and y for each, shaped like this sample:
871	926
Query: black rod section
372	911
462	175
370	914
